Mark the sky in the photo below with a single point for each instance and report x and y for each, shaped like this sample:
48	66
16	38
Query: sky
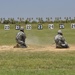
37	8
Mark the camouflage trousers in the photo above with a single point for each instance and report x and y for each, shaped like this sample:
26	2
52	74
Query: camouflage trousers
21	44
62	45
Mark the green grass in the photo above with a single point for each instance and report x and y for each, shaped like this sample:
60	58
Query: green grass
35	36
37	63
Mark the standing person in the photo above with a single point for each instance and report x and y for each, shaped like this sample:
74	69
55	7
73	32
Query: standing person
20	38
60	41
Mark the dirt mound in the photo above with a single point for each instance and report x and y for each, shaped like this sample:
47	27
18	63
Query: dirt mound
33	48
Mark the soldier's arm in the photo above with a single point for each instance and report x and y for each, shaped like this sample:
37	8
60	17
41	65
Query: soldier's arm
23	37
62	39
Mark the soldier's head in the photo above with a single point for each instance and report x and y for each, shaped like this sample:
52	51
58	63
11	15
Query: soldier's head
22	29
60	32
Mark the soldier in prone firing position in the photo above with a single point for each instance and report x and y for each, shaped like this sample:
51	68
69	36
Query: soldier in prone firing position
60	41
20	38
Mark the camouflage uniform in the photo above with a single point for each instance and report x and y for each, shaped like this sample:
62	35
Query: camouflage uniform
60	41
20	38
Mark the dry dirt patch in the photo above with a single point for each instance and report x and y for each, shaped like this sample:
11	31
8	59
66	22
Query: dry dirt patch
35	48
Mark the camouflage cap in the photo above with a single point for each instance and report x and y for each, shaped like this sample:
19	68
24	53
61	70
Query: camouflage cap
22	29
59	31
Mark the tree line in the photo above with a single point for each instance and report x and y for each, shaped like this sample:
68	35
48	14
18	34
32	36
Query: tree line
37	20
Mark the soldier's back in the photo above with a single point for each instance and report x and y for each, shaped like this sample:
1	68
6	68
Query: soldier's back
19	35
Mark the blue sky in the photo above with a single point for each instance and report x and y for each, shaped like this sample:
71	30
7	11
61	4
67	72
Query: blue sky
37	8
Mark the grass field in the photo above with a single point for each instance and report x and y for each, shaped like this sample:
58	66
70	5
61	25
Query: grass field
35	61
35	36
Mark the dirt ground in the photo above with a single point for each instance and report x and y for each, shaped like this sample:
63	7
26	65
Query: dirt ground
33	48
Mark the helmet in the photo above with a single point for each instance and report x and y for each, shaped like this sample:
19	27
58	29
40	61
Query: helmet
22	29
59	32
